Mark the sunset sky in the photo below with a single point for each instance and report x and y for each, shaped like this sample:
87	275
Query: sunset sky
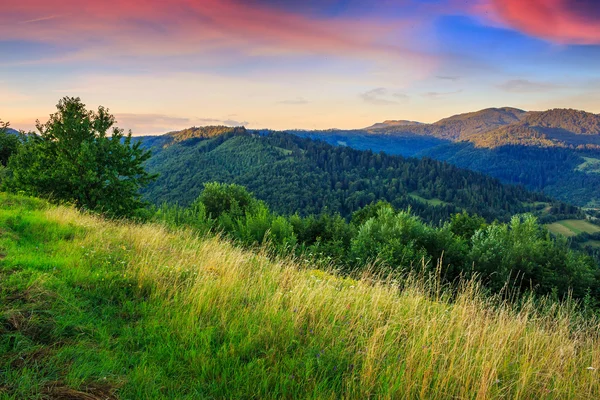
162	65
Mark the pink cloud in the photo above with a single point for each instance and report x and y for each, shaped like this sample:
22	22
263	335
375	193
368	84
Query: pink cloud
560	21
156	27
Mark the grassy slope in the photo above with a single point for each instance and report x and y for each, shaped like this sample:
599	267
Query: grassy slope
97	309
572	227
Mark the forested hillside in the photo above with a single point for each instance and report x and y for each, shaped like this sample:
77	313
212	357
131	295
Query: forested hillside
458	127
565	174
294	174
555	151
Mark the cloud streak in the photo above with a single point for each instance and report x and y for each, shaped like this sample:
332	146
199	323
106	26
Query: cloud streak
382	97
560	21
294	102
526	86
144	124
113	28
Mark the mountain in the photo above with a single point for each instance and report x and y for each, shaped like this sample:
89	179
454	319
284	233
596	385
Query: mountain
555	151
193	133
392	123
11	131
300	175
458	127
553	128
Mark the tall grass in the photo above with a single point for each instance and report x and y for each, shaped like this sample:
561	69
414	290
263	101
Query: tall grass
208	320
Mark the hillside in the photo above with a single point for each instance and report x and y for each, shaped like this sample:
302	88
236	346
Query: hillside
552	128
458	127
198	133
392	123
92	309
555	151
296	175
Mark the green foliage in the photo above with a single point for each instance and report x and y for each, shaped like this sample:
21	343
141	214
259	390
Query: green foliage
79	156
543	151
553	170
465	225
297	175
9	143
520	255
394	239
92	309
219	198
369	211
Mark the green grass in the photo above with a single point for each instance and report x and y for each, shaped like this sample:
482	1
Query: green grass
572	227
432	202
590	165
91	309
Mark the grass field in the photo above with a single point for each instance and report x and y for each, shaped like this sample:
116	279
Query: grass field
91	309
572	227
433	202
590	165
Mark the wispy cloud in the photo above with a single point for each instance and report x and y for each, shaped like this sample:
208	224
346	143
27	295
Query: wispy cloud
448	78
182	27
437	95
41	19
382	96
294	102
144	124
526	86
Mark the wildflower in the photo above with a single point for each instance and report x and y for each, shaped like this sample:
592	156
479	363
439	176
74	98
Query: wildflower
591	368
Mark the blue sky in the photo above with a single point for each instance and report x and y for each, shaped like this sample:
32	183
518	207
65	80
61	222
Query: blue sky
312	64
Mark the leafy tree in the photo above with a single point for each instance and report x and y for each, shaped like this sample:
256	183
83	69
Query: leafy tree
79	156
220	198
465	225
9	143
394	239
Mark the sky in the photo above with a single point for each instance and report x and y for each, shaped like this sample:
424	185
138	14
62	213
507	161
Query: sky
163	65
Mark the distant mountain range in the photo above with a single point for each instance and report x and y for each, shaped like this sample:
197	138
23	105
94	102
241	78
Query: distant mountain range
393	123
555	151
12	131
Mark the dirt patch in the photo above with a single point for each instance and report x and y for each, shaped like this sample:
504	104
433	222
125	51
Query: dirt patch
59	391
32	357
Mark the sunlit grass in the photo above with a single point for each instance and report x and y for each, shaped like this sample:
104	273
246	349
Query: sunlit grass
141	311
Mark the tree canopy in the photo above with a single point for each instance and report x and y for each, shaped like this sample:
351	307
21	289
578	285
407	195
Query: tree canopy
79	156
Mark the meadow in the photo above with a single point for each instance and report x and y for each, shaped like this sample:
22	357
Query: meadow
94	309
573	227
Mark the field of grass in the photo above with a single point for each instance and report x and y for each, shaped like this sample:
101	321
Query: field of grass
590	165
91	309
572	227
592	243
433	202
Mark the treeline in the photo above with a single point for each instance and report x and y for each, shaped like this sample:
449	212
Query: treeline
551	170
293	174
519	255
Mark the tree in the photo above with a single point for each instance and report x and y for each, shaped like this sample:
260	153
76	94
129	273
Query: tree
9	143
220	198
79	156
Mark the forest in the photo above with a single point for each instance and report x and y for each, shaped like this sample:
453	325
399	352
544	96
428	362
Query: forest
554	152
299	175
